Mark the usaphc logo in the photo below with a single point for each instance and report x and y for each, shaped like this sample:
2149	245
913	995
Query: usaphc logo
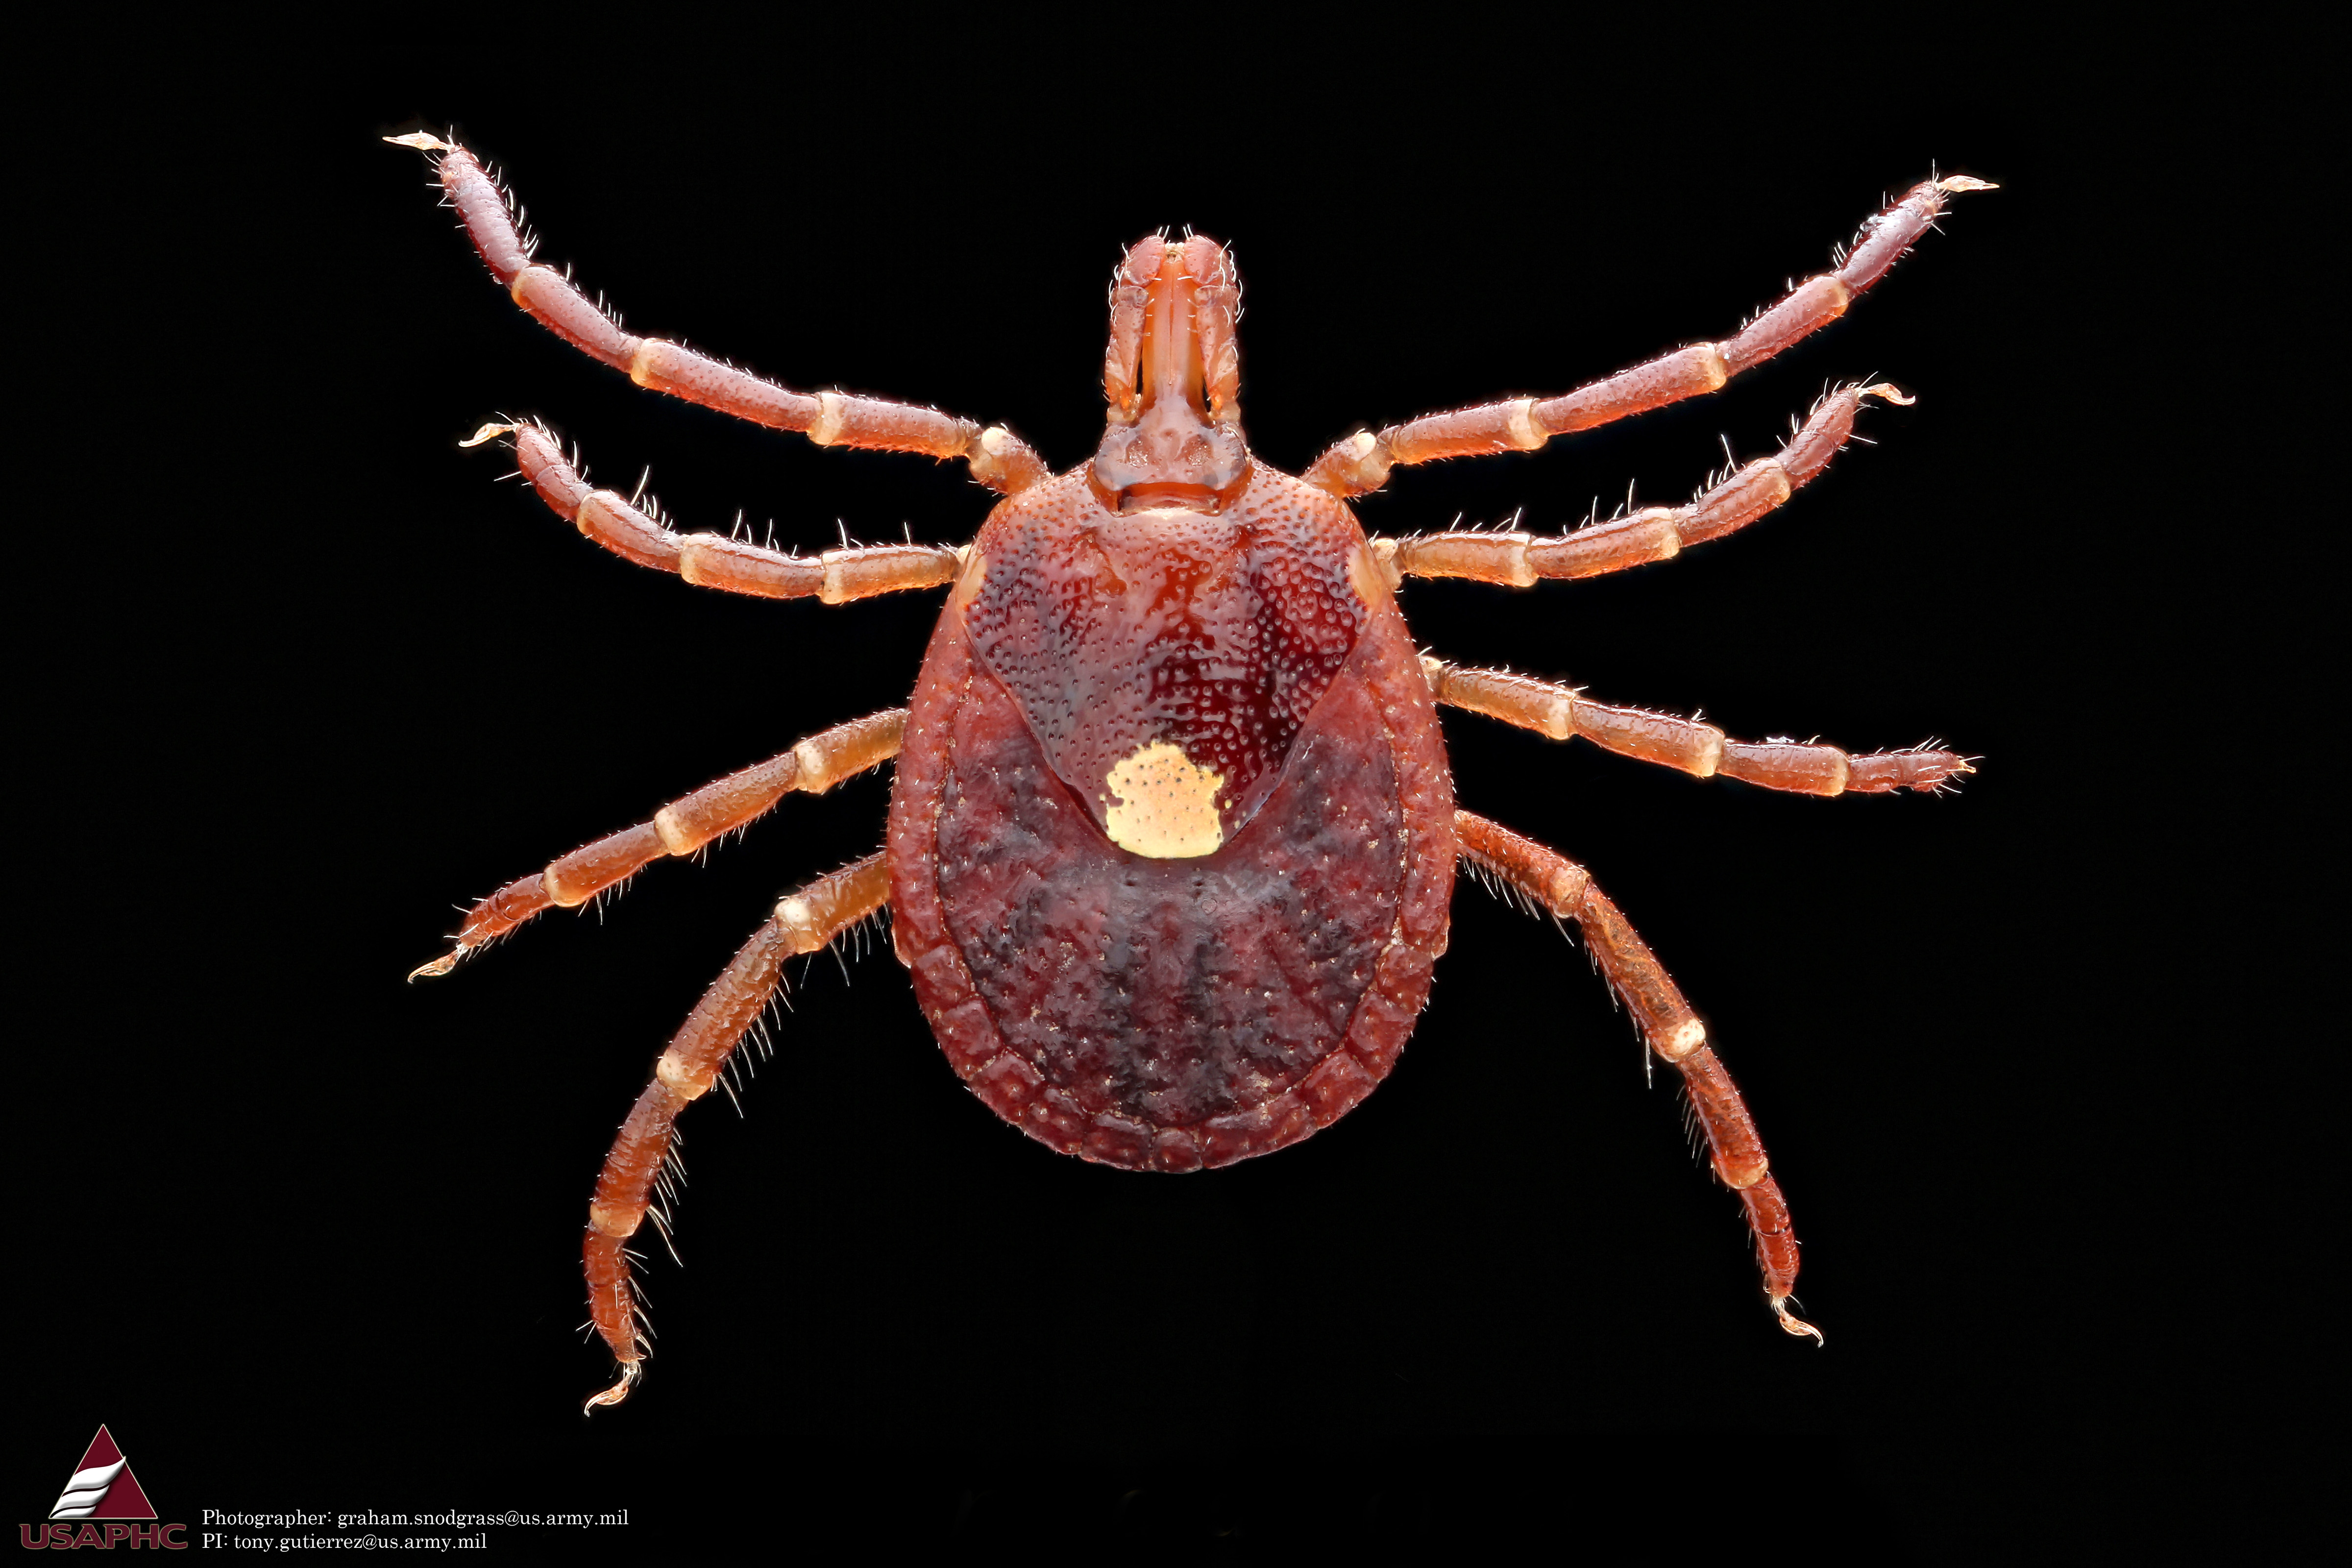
100	1498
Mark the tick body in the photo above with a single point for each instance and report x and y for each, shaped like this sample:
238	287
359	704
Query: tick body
1170	862
1172	835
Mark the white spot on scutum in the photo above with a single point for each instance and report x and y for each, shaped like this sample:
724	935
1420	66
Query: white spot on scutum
1167	806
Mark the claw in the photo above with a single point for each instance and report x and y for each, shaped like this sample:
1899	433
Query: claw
492	432
1958	183
1792	1324
1886	389
421	141
441	965
619	1392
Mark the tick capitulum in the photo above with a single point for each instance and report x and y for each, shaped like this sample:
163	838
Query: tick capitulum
1173	835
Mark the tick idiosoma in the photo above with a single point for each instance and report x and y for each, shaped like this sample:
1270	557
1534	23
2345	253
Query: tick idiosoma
1172	835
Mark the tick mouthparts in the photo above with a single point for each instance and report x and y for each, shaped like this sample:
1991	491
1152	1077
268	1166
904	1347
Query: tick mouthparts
1171	331
1172	375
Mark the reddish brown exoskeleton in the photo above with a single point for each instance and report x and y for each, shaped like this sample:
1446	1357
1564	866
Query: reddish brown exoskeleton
1172	836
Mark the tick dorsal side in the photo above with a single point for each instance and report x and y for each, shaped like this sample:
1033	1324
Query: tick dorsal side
1171	856
1172	852
1172	836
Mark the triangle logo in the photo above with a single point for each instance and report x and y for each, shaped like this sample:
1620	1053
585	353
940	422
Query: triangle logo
102	1485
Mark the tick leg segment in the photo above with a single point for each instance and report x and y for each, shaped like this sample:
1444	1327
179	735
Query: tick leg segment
681	827
714	559
1668	1026
1654	533
1699	749
1360	464
999	458
804	922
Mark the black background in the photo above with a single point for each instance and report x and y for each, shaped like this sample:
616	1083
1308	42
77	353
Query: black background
299	676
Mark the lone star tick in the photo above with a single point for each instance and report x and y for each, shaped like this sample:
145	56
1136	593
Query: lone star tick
1173	835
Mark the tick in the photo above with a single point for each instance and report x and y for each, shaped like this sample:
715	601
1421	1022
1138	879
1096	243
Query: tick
1172	835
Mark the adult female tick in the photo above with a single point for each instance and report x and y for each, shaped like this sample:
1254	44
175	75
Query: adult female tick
1172	835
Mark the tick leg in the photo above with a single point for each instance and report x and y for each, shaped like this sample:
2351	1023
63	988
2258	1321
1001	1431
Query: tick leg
1360	464
714	559
1668	1026
999	458
1699	749
681	827
1654	533
635	1169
